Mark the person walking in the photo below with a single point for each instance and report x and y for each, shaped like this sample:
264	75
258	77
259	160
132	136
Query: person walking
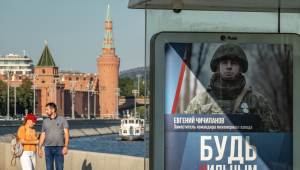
55	134
27	136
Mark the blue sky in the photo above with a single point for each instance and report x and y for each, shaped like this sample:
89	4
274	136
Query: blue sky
74	30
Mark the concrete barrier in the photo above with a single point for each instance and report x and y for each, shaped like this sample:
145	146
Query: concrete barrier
79	160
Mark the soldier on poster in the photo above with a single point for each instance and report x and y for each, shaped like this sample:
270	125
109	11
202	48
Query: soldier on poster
228	93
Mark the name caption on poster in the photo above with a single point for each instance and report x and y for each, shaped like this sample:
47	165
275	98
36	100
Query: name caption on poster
194	121
191	120
220	146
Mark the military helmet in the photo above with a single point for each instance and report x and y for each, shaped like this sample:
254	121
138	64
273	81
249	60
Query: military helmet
231	51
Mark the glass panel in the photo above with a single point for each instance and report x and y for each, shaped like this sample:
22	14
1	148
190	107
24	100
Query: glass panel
218	5
189	21
223	71
131	130
194	59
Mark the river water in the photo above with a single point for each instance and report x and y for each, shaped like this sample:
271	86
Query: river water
109	144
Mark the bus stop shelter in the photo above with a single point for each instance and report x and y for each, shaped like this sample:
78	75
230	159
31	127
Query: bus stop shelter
217	16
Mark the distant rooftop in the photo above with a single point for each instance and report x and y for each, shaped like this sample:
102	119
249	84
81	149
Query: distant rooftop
60	71
14	56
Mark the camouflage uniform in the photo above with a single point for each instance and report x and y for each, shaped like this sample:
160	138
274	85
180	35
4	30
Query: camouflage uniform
252	103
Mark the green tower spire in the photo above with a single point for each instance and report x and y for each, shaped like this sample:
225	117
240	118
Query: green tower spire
46	59
108	17
108	36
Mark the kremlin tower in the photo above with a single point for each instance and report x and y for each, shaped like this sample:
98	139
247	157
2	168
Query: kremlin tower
108	70
46	71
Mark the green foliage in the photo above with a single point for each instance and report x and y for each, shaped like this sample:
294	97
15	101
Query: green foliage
141	86
126	86
3	98
24	97
141	111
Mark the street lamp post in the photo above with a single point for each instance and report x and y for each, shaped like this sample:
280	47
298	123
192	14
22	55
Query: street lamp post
56	80
51	89
102	88
117	93
15	85
34	88
138	76
88	87
73	84
135	92
8	72
94	93
35	77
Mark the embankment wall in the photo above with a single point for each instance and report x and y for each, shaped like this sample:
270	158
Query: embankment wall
78	160
77	128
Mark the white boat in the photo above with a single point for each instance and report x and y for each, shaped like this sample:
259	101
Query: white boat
131	129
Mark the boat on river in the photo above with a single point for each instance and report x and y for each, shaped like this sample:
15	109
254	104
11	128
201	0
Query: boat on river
132	128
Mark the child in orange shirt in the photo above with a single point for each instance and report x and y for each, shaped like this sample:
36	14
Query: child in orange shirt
29	140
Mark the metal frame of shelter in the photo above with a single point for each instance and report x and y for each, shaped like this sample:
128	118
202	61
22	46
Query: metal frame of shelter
256	16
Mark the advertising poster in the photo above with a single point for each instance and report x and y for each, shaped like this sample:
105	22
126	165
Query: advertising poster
228	106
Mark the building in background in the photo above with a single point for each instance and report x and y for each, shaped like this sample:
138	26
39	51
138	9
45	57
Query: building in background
18	64
108	71
60	91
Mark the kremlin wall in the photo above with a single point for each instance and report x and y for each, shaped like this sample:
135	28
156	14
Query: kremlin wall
64	102
107	79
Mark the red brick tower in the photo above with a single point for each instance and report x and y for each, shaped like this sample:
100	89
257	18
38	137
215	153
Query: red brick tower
108	69
47	71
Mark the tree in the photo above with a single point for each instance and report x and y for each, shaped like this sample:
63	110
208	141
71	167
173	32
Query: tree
3	98
25	97
141	111
126	86
142	88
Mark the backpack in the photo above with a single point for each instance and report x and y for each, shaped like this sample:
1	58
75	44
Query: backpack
16	148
